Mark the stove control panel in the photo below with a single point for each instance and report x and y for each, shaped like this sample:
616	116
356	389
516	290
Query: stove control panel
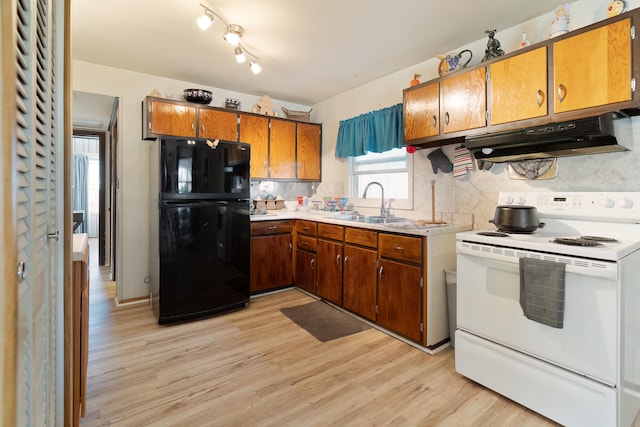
612	206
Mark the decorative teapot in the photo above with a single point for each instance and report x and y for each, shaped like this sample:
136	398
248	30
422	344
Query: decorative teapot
451	62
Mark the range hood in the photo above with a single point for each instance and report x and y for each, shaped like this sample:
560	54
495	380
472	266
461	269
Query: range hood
606	133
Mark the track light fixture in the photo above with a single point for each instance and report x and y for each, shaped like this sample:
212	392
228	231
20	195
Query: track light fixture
240	56
232	35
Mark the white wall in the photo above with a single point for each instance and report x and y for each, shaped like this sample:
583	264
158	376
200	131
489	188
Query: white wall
133	159
459	199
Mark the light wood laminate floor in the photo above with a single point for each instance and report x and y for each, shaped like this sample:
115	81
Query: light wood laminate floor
254	367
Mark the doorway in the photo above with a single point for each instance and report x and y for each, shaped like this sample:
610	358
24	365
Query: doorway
95	137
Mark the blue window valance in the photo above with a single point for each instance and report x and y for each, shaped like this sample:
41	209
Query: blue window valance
376	131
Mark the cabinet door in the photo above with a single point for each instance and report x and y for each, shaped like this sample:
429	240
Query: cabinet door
329	255
359	281
305	275
218	124
593	68
271	262
421	111
254	130
166	118
463	99
399	299
518	87
308	151
282	149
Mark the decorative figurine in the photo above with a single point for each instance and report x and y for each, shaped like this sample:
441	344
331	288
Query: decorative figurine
560	23
616	7
493	47
416	80
451	62
524	42
266	106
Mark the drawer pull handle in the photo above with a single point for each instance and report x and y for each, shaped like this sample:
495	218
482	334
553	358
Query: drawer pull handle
290	248
338	259
272	227
446	118
434	121
380	272
305	228
345	261
305	243
562	92
313	263
398	248
540	98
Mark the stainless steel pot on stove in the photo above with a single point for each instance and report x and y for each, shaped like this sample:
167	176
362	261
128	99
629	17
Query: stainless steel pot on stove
516	219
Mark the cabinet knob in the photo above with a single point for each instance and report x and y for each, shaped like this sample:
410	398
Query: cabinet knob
313	263
446	118
380	272
434	120
345	261
338	259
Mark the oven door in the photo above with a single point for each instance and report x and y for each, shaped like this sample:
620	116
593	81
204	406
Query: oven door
488	291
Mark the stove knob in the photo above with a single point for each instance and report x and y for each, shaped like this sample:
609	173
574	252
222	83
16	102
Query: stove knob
607	203
624	203
521	200
509	200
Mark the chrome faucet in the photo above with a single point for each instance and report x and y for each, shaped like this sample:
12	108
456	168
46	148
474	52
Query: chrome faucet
383	212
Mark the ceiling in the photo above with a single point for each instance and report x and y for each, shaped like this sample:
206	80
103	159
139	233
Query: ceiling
309	50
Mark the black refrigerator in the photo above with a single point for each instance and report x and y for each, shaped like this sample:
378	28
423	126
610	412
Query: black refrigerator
202	263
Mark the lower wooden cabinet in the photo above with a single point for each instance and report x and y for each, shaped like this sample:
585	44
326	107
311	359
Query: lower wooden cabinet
329	255
271	255
305	272
400	299
359	281
359	278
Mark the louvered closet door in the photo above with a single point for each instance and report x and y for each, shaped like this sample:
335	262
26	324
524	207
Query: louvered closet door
39	134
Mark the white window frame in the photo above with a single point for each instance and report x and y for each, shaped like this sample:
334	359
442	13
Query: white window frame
374	202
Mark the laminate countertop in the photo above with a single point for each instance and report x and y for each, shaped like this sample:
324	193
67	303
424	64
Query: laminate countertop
404	227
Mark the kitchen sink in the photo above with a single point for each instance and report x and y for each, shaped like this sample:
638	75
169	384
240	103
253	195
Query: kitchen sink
372	219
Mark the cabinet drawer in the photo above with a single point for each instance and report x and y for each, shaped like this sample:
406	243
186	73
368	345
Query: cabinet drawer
400	247
306	227
359	236
271	227
306	242
329	231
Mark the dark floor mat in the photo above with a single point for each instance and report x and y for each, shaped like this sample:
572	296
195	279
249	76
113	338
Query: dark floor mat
323	321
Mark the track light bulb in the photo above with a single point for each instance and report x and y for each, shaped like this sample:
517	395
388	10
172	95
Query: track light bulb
255	67
205	21
233	34
240	56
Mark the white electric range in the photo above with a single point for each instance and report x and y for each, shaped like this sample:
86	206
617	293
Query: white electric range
586	372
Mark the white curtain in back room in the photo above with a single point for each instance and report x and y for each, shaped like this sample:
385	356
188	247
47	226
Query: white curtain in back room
86	182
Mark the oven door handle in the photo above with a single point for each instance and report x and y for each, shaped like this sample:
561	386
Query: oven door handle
582	266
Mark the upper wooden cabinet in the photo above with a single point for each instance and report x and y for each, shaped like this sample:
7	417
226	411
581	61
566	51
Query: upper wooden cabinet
308	151
218	124
518	87
421	109
168	118
254	130
593	68
282	149
176	118
463	101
